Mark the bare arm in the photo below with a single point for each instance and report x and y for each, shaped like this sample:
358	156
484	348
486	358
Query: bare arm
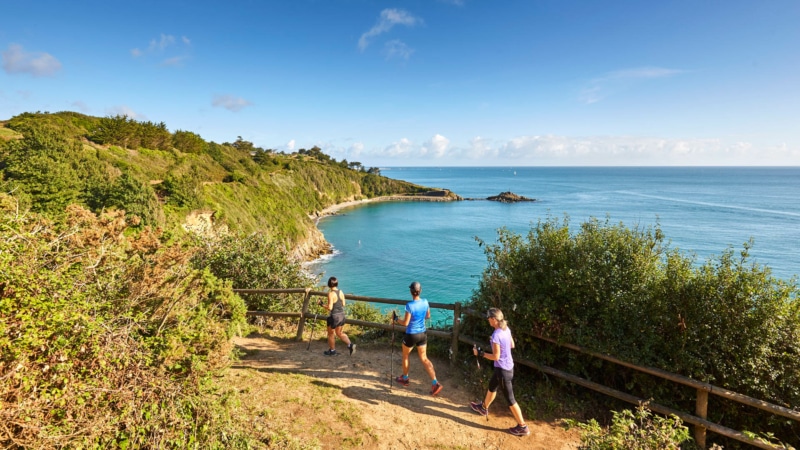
331	300
405	320
490	356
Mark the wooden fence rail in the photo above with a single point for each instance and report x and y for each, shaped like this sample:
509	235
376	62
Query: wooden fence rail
701	425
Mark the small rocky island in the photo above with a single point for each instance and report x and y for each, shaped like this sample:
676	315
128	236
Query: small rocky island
509	197
506	197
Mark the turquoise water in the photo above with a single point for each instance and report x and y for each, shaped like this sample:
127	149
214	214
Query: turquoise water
380	248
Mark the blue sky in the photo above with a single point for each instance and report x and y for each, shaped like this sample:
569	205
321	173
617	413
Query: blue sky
427	82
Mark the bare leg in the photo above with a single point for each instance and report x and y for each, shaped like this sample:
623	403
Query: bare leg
423	356
342	336
490	396
331	340
517	412
406	352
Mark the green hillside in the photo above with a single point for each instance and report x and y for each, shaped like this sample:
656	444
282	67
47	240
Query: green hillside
49	161
115	321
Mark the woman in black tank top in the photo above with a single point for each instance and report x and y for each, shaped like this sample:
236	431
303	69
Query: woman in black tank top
336	319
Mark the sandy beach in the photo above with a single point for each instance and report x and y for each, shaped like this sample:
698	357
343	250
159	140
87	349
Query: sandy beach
334	209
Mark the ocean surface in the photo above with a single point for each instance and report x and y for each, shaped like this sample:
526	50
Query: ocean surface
380	248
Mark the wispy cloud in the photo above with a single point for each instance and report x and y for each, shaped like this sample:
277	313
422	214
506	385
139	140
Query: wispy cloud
554	150
166	43
230	102
387	20
17	61
612	82
397	49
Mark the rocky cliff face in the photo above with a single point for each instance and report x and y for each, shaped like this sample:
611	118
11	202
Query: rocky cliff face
202	222
312	247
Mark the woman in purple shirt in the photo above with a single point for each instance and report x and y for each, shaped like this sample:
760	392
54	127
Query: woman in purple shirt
502	343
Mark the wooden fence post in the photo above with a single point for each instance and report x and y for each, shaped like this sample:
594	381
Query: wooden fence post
456	327
301	325
701	410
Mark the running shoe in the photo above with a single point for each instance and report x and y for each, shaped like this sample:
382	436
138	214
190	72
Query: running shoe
520	430
352	348
478	408
435	389
401	380
330	353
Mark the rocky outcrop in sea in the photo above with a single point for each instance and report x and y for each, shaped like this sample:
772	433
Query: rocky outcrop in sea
506	197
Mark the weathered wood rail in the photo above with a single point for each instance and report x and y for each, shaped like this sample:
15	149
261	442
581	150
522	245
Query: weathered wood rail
698	419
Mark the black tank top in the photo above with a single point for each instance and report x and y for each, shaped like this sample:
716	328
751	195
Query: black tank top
338	306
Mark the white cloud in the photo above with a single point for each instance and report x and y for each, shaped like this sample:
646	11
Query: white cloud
599	88
290	145
164	44
16	60
122	110
175	61
356	150
387	20
397	49
436	147
551	150
230	102
402	148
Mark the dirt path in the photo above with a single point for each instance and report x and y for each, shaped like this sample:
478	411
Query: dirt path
346	401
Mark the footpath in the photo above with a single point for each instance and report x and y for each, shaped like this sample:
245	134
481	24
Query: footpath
346	401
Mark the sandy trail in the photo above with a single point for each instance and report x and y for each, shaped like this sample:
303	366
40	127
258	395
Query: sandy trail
390	418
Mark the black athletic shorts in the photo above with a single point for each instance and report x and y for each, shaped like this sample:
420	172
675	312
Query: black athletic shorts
418	339
336	320
503	378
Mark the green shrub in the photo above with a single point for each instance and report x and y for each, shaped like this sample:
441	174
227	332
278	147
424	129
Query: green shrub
366	312
108	340
639	430
254	262
622	292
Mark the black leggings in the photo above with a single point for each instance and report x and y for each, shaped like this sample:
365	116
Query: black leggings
504	377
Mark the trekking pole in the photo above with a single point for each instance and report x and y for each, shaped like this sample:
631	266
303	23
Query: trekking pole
480	375
310	338
391	372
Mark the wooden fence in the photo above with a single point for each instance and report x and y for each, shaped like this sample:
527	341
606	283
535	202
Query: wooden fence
698	420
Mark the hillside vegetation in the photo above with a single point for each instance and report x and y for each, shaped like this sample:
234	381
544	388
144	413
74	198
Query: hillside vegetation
115	322
49	161
623	292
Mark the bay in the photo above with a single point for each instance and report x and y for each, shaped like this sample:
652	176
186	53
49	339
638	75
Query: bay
379	248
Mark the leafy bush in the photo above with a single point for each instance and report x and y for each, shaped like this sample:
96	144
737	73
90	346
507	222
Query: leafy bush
633	431
254	262
622	292
366	312
108	340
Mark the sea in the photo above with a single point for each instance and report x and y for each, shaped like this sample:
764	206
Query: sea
380	248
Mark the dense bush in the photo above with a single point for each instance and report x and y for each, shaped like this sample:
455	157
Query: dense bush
630	430
108	340
254	262
622	292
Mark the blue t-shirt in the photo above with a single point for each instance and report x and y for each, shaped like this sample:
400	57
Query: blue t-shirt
503	338
418	310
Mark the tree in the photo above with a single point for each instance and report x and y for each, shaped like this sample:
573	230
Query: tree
188	142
